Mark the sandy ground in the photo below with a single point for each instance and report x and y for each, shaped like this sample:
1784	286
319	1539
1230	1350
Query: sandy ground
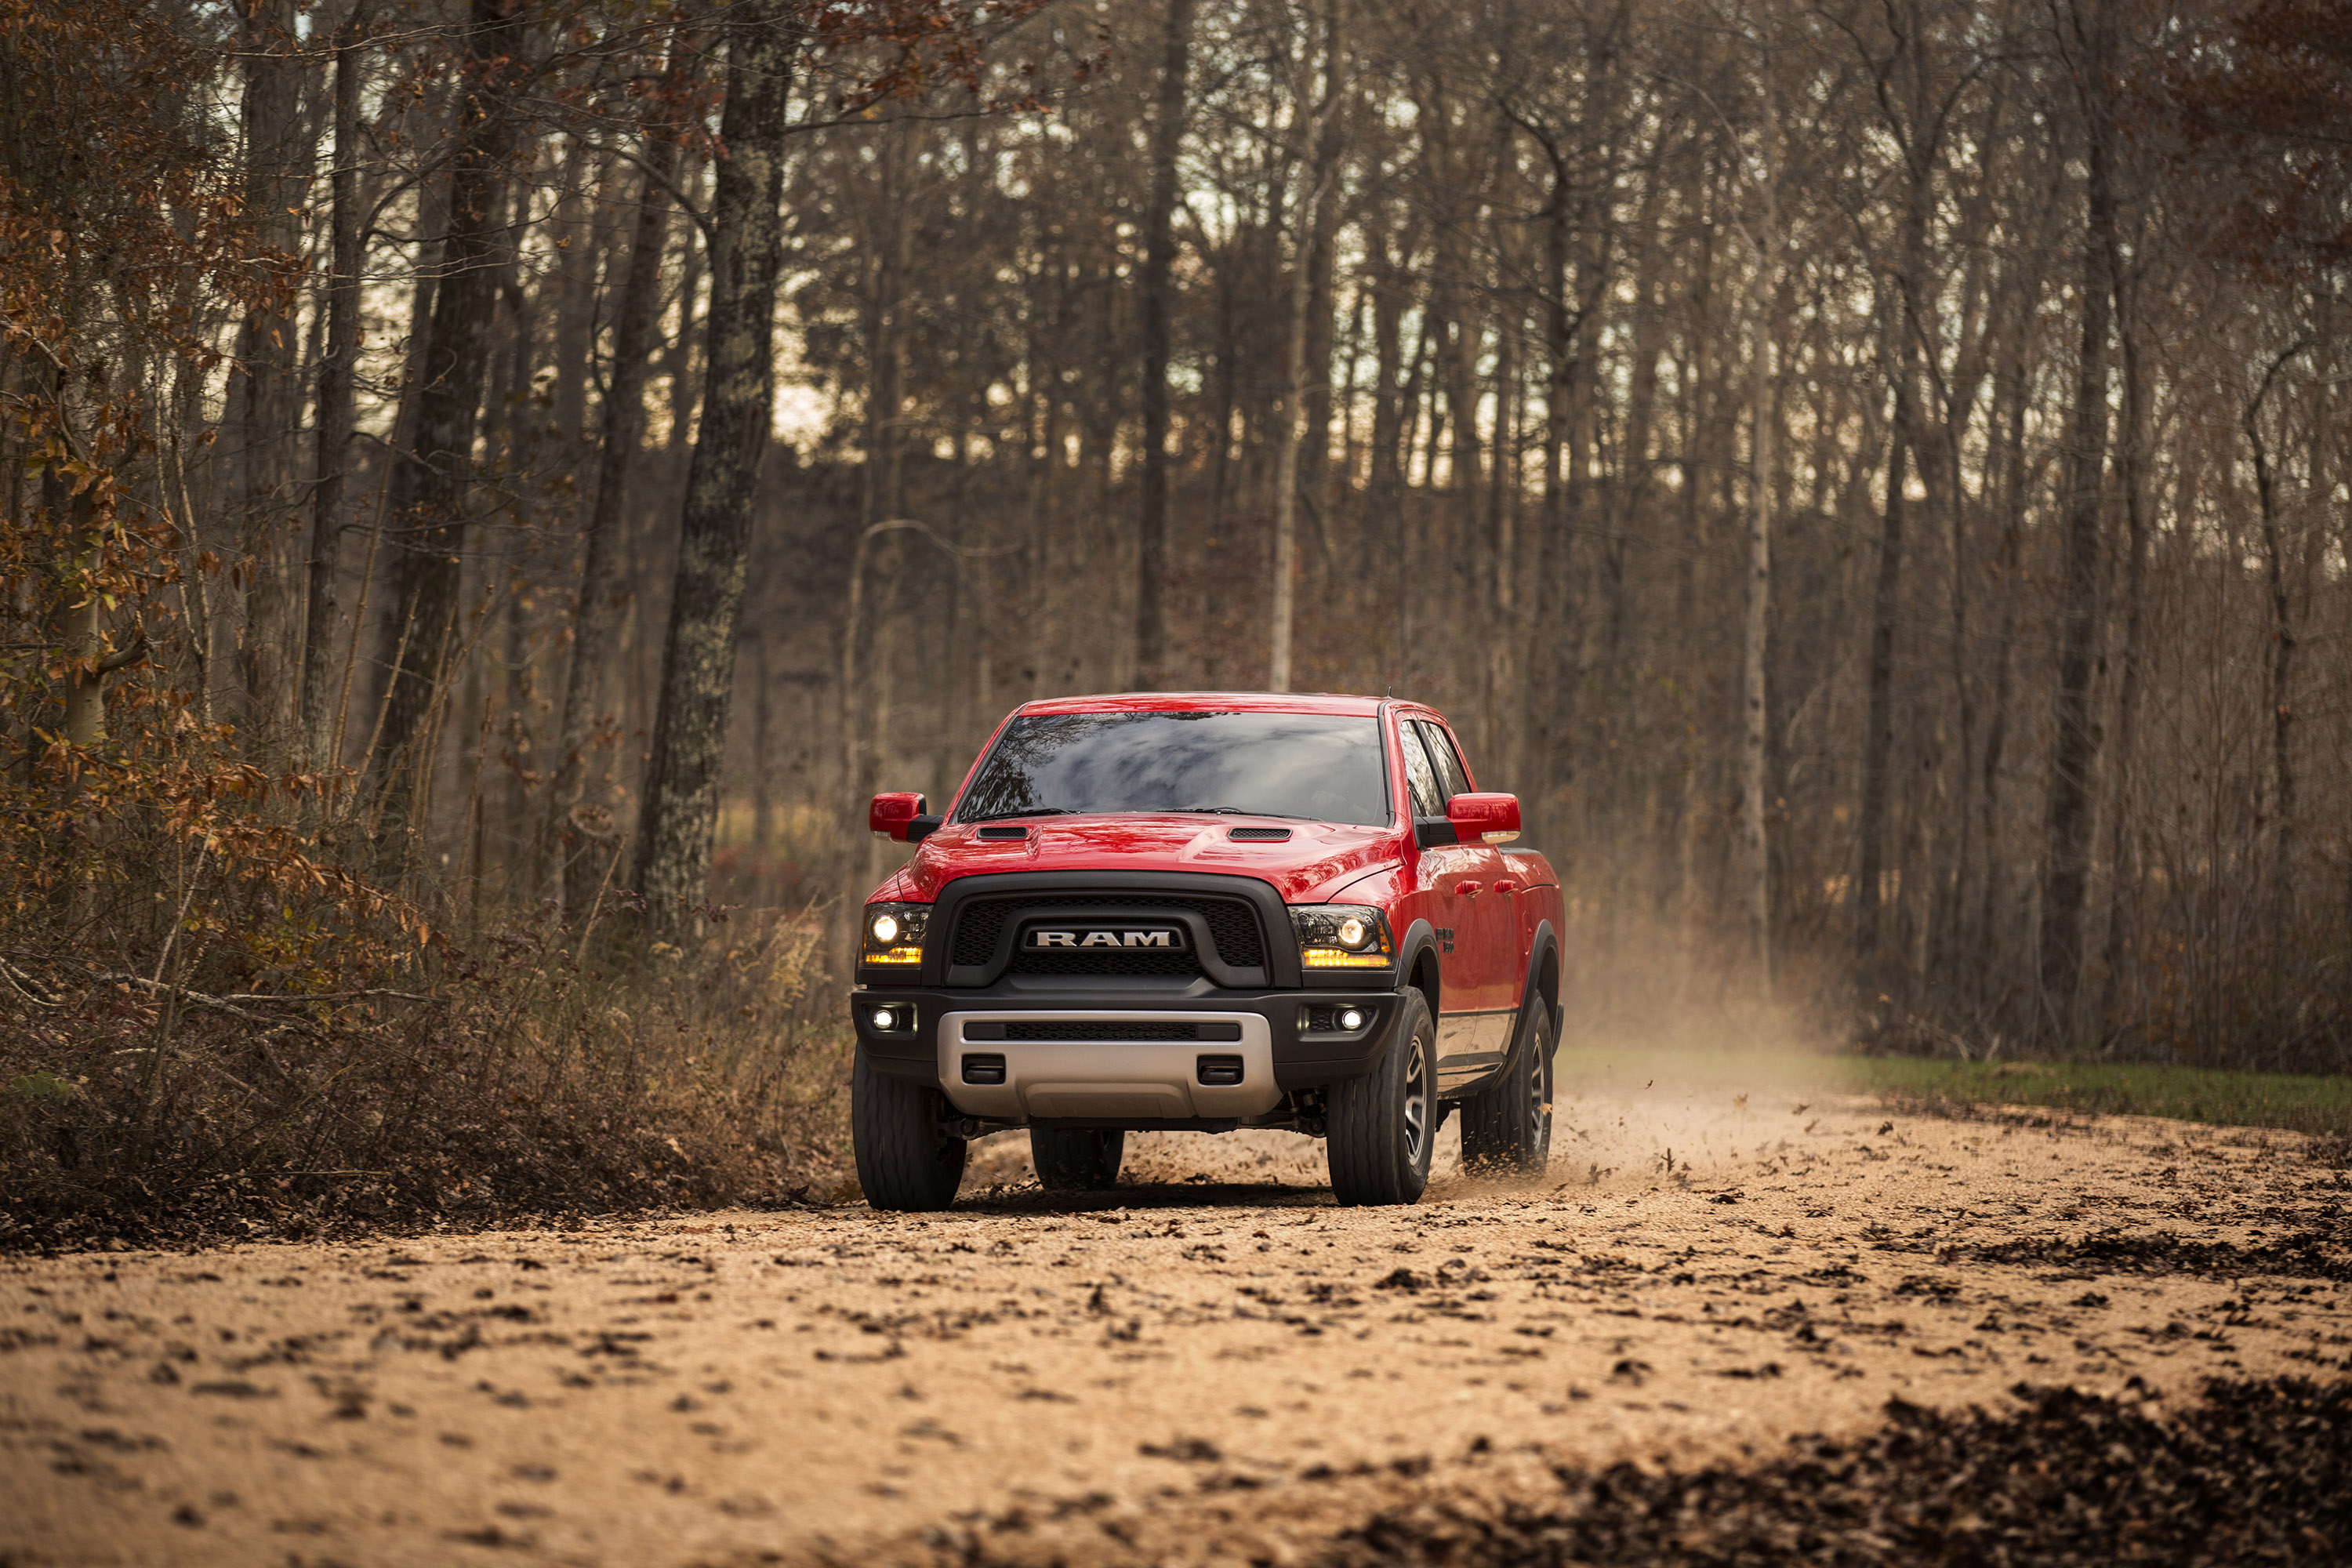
1212	1363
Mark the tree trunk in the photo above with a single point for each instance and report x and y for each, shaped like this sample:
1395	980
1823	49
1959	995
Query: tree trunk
2123	895
1755	847
2281	660
1498	541
1313	197
1153	302
572	875
2068	830
681	800
1390	295
1878	724
346	257
2015	391
678	359
580	218
1315	491
892	265
266	382
1909	333
764	788
80	628
430	480
1564	375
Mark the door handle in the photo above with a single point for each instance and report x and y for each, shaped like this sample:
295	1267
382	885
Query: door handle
1468	889
1506	886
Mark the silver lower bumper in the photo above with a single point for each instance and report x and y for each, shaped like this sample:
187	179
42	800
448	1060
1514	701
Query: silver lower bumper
1146	1080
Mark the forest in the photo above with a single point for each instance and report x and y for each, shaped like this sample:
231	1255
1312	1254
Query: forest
495	485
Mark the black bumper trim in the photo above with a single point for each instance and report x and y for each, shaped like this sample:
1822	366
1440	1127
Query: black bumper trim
1302	1059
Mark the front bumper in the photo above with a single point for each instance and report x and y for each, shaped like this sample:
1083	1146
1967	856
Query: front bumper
1120	1051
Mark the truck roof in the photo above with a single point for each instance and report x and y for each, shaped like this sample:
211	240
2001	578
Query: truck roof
1210	702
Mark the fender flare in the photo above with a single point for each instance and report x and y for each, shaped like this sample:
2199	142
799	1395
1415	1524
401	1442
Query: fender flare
1546	946
1419	938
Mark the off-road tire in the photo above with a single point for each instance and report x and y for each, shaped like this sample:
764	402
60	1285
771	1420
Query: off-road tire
905	1159
1077	1159
1506	1127
1381	1126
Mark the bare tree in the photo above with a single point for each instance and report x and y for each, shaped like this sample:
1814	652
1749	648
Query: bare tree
681	799
1154	306
2068	832
573	874
432	477
1319	153
336	394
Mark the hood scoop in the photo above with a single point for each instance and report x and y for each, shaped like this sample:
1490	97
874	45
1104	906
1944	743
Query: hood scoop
1260	835
999	833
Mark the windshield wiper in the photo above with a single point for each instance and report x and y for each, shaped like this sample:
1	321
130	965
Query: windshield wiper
1032	811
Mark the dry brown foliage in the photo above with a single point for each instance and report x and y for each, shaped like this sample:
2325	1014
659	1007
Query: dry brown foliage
514	1081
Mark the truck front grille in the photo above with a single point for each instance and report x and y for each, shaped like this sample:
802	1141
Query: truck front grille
1106	963
1232	922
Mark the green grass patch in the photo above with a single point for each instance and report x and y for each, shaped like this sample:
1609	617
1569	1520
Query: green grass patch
2317	1105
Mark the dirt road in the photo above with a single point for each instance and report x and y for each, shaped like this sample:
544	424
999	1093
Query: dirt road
1211	1365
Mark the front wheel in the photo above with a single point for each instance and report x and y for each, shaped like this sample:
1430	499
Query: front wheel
1077	1159
905	1159
1381	1126
1506	1129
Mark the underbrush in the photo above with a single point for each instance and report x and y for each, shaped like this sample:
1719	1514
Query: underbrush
242	993
516	1080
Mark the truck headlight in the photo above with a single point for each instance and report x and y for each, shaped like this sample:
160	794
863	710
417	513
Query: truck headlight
1342	936
894	933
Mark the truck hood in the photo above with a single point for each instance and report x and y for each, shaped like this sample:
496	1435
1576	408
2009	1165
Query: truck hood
1316	860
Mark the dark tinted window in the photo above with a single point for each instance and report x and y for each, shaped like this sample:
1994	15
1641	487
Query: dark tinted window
1428	794
1311	766
1441	752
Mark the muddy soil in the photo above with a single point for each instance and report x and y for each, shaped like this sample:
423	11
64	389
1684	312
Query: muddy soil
1211	1364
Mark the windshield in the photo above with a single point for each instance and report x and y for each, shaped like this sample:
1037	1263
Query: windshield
1312	765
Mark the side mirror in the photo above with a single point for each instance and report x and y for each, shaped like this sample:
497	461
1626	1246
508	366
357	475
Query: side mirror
899	816
1493	818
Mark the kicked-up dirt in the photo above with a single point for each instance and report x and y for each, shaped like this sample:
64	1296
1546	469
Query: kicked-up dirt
1715	1297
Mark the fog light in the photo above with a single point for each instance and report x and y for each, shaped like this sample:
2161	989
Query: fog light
1351	1019
884	1018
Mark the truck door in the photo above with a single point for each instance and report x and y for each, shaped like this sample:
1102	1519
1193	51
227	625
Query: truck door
1472	1030
1439	871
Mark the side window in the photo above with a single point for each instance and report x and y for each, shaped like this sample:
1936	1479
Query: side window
1428	795
1441	753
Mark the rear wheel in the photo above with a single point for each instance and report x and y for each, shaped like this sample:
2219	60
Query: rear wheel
1506	1128
1381	1126
905	1159
1077	1159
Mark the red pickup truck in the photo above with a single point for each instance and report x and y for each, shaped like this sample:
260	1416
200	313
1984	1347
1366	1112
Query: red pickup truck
1200	912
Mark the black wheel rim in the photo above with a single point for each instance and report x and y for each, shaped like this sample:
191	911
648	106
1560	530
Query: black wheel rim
1538	1097
1416	1100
